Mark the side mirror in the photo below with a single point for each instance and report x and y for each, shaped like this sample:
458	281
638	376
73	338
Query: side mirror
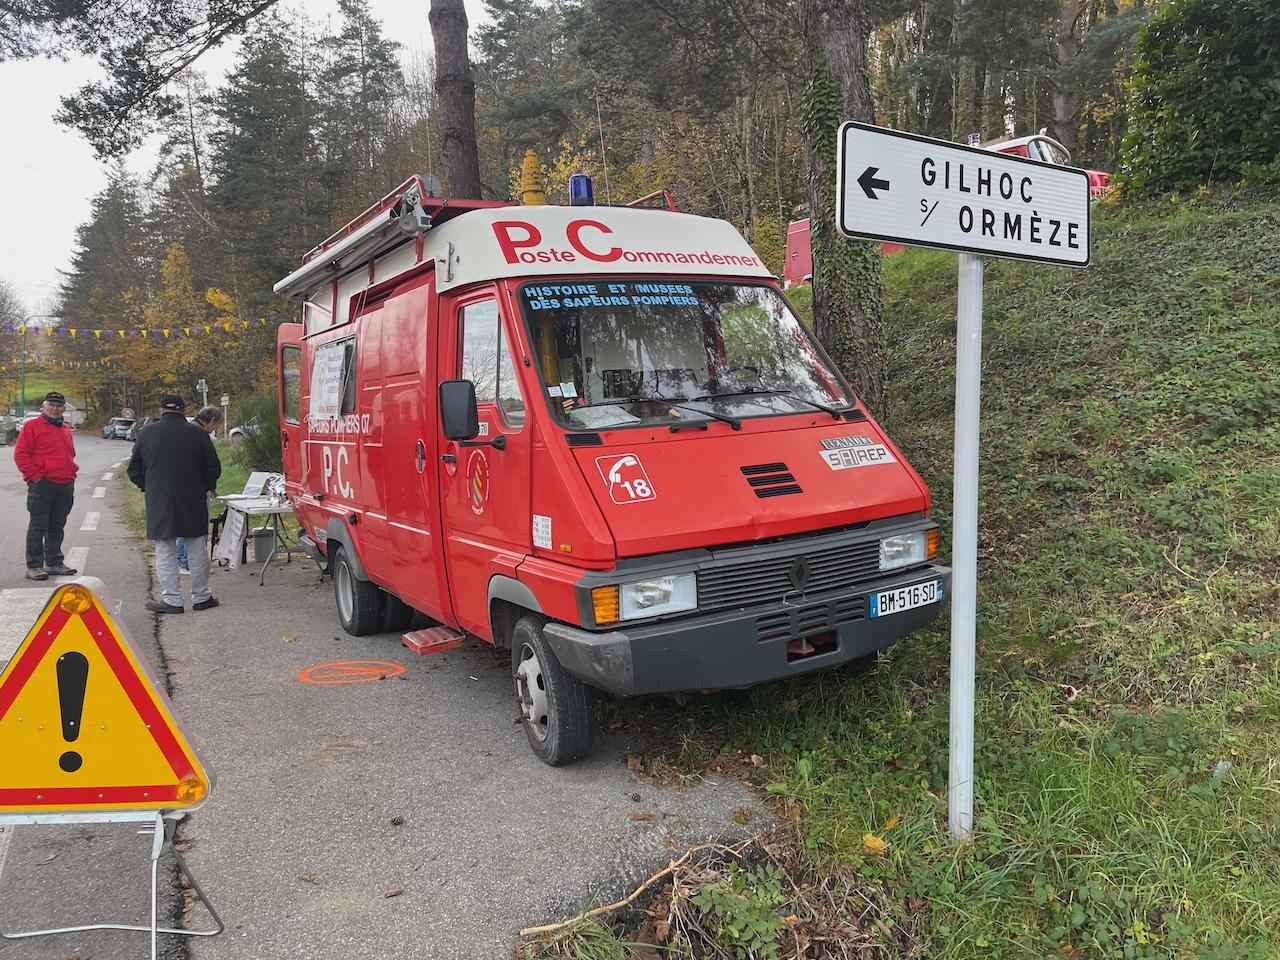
458	414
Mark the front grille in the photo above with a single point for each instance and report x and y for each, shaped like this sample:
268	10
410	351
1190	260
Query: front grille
756	579
808	619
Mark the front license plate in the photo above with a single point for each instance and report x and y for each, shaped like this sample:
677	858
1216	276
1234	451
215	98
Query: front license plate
905	598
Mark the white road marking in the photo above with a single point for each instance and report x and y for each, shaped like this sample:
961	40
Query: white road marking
18	611
76	558
108	476
91	520
116	465
99	492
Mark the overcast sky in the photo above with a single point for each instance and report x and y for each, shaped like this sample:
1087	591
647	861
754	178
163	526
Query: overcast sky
48	173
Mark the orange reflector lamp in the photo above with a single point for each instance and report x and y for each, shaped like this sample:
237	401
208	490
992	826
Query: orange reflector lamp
604	601
75	599
933	544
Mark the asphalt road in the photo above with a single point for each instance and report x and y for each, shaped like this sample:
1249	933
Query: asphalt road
399	817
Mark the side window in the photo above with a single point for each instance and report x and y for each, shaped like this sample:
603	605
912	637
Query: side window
290	382
333	380
349	376
486	360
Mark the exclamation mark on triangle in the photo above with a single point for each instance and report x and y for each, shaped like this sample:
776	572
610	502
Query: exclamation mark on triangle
73	675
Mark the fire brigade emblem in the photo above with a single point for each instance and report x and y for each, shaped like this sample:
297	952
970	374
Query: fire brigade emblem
478	481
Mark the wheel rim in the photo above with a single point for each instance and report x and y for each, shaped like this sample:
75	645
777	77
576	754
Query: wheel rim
345	591
531	693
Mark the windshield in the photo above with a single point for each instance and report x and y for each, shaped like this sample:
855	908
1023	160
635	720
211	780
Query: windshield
1053	153
619	352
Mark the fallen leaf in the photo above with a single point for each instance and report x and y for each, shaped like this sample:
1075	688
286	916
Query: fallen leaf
634	763
397	821
891	822
1069	692
757	760
50	858
308	878
397	892
640	817
873	846
288	639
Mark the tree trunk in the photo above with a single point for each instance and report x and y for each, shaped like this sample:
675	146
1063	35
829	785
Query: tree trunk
1064	92
847	297
457	92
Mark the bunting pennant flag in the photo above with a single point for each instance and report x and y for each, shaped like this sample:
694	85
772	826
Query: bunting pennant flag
222	326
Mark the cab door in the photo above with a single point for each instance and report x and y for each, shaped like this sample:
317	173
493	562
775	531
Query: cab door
484	487
289	356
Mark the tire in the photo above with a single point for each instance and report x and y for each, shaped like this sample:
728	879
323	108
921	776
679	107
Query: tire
396	614
557	711
359	601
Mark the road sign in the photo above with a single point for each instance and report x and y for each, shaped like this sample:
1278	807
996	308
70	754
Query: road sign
127	413
909	189
226	399
83	726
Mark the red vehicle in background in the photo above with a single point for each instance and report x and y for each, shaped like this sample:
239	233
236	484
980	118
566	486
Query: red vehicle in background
599	437
1047	150
799	253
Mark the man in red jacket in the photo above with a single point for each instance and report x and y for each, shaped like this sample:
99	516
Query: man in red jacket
46	455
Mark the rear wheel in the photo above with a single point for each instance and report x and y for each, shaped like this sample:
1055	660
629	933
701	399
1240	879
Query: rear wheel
396	614
557	710
359	606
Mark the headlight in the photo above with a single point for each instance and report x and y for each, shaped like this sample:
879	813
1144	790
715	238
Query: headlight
645	598
905	549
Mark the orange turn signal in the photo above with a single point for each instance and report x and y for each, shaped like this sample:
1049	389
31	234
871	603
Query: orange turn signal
932	550
604	601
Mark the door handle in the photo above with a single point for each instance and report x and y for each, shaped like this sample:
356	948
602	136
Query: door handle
448	458
284	439
420	456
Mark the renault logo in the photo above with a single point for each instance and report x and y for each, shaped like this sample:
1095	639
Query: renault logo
799	573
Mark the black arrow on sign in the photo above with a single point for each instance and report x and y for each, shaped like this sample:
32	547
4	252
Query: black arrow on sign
869	183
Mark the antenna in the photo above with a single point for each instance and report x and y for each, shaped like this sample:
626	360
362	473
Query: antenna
604	164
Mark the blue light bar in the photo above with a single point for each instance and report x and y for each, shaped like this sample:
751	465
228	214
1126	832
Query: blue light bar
580	194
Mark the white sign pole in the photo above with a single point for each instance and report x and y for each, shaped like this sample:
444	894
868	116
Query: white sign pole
964	543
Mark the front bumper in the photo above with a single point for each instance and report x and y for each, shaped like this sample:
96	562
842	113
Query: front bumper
743	646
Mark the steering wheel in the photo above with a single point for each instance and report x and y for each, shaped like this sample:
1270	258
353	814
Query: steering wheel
715	381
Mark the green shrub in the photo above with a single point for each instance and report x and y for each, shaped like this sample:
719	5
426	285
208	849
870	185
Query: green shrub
258	447
1204	97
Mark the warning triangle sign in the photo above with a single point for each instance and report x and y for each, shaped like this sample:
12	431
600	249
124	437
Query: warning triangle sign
83	726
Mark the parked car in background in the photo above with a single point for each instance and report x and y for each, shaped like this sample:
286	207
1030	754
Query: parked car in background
27	418
1047	150
117	428
252	425
132	433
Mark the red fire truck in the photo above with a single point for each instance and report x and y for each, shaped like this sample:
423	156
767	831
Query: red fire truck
599	437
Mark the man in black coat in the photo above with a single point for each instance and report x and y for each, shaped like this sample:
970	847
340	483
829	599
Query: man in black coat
175	465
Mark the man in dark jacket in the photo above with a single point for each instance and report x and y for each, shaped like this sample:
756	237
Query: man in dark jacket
46	455
175	465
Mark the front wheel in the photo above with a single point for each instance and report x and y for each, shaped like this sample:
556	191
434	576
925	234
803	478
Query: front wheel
557	710
359	609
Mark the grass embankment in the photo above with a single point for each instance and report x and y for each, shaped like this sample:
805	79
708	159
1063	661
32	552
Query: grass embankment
1128	729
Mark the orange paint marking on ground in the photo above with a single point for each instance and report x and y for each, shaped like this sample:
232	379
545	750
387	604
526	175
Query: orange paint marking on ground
350	671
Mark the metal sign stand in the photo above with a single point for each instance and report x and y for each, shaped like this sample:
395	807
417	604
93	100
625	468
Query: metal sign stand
904	188
964	543
161	831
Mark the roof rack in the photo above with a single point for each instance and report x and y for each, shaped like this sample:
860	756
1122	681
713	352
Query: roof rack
409	210
668	201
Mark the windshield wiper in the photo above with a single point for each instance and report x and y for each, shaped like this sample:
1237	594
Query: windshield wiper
835	414
731	421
